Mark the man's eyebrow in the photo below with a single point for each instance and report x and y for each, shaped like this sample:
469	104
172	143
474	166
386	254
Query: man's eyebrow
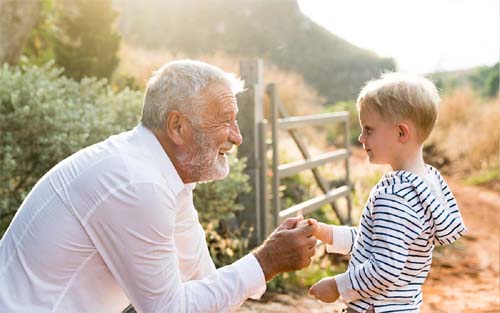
230	111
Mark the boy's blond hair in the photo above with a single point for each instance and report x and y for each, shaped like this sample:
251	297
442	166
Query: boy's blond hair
403	96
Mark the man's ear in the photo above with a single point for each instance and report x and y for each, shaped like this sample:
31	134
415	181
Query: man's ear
404	132
175	127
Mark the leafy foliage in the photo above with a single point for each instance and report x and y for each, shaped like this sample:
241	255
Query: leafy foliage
45	117
217	205
483	80
86	44
40	47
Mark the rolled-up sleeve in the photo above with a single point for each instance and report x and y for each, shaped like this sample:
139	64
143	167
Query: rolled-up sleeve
343	239
133	229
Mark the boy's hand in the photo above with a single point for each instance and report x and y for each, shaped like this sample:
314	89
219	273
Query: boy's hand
309	221
322	231
325	233
325	290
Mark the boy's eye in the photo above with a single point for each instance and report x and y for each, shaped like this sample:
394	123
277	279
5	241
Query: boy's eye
368	130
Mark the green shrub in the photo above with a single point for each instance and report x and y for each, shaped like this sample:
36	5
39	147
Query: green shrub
45	117
217	205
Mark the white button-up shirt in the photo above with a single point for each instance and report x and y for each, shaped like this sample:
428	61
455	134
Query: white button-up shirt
114	224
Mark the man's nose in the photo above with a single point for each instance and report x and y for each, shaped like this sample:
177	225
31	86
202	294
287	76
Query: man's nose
235	135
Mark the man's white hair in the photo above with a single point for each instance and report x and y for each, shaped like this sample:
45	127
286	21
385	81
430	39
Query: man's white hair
179	85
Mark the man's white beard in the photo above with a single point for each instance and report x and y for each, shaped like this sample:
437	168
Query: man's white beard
202	161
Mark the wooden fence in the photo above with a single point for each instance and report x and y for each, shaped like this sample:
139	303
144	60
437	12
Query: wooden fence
259	212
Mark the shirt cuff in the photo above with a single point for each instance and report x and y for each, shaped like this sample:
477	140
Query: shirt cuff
344	287
342	240
253	276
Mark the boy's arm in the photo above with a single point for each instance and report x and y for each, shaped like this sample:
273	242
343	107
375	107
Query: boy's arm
338	239
394	226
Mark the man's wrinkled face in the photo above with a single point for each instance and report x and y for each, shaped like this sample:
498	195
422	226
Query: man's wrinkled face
214	136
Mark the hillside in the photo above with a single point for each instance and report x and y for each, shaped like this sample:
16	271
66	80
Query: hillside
482	79
273	29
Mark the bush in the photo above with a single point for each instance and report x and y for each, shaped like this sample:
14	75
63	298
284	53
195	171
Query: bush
45	117
466	137
217	205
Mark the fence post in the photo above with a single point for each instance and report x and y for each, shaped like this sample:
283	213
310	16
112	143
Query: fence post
250	104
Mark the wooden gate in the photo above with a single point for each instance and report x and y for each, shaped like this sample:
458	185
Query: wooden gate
263	214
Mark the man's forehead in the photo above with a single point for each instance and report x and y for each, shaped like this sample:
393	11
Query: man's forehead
221	96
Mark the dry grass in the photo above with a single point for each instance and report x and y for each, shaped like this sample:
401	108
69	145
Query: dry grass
139	63
297	97
467	133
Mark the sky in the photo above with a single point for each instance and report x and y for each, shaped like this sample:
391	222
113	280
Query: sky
421	35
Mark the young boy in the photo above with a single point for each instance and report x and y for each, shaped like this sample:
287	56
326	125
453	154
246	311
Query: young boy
410	210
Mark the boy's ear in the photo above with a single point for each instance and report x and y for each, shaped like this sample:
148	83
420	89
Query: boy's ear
175	127
404	132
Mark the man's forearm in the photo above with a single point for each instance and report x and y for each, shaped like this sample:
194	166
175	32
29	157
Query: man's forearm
265	261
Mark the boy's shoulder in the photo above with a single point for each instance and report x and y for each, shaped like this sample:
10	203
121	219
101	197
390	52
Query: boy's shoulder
403	184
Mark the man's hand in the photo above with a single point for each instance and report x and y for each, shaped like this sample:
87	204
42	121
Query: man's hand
325	290
287	248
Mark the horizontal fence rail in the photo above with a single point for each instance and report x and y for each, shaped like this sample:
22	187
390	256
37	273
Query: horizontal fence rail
292	124
295	122
290	169
315	203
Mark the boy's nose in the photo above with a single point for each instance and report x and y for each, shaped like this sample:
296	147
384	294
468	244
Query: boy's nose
361	138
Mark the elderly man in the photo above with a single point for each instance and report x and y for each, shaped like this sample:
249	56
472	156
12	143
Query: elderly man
115	222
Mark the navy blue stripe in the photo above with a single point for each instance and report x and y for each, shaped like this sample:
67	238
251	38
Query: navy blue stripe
398	202
401	262
394	222
392	214
397	268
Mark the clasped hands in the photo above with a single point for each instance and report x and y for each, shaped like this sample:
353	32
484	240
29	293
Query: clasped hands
326	289
290	247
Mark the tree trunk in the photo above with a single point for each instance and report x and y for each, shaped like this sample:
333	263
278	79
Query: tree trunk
17	19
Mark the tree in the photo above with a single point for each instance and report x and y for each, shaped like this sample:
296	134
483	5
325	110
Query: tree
86	44
492	82
17	18
39	48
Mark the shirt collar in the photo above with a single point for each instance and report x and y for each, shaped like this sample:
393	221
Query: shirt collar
163	161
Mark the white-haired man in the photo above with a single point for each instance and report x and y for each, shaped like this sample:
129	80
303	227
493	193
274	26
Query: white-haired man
115	222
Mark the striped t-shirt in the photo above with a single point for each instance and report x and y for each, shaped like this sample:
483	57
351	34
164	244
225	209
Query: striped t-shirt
391	249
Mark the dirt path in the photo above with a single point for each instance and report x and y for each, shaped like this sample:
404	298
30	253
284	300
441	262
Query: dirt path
464	277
